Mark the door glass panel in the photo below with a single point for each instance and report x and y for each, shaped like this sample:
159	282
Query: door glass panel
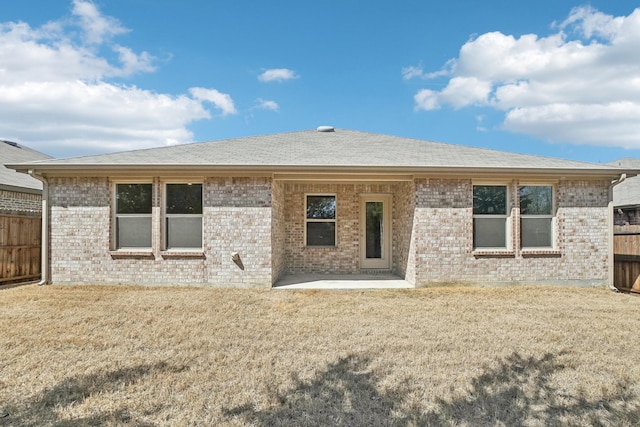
374	229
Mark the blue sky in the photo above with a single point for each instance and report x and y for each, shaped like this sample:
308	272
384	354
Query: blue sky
557	78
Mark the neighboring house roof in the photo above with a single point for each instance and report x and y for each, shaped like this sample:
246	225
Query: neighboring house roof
312	151
627	193
11	152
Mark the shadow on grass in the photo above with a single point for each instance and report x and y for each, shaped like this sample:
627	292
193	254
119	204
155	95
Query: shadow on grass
344	394
42	410
518	391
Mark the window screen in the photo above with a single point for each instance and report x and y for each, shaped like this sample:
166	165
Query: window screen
183	216
490	216
133	216
536	216
320	221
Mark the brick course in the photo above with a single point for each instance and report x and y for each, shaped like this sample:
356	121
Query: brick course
16	203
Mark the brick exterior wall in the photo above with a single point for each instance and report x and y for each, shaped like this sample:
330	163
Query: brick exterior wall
79	218
442	230
263	221
236	218
278	230
16	203
402	225
345	257
443	237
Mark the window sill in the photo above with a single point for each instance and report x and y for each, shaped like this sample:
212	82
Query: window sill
538	253
182	254
131	253
320	247
493	253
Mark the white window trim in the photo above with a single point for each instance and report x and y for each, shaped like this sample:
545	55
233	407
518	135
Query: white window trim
507	217
552	216
308	220
115	216
166	216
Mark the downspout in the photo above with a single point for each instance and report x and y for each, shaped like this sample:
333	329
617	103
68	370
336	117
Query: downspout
44	244
611	220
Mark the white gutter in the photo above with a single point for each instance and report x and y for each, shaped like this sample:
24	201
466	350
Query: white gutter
108	169
44	244
610	221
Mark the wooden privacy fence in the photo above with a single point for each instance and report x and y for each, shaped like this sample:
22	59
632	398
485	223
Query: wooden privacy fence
626	255
19	248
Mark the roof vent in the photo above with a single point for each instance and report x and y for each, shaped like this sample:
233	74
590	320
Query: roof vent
325	129
11	143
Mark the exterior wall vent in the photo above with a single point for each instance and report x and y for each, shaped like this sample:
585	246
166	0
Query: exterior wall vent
325	129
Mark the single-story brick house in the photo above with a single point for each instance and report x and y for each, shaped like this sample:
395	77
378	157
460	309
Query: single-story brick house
247	211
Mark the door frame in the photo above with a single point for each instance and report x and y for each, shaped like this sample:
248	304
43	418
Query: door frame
385	262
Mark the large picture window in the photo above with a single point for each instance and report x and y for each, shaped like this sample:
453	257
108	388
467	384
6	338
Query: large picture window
536	216
320	221
133	216
490	216
183	216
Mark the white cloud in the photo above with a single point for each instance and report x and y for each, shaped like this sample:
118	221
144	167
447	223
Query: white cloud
97	27
460	92
426	100
579	85
94	116
590	22
57	94
277	75
132	63
614	124
263	104
480	127
221	100
412	72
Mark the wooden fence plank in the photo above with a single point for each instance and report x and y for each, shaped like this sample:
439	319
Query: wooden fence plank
19	247
626	254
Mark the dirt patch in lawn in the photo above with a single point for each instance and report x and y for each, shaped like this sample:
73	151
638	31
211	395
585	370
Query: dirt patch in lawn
95	355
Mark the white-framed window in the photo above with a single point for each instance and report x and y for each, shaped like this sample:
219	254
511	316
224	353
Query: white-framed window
133	202
490	216
536	216
320	220
183	216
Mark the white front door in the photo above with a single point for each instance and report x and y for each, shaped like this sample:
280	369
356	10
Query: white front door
375	231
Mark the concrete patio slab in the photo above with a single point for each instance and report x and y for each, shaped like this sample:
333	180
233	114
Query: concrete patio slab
347	281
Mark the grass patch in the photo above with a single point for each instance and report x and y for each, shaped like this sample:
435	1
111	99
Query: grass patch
96	355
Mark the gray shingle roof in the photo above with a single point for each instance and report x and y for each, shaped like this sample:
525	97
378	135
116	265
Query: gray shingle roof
10	152
340	150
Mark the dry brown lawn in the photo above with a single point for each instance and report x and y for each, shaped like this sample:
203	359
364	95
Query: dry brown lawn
533	356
